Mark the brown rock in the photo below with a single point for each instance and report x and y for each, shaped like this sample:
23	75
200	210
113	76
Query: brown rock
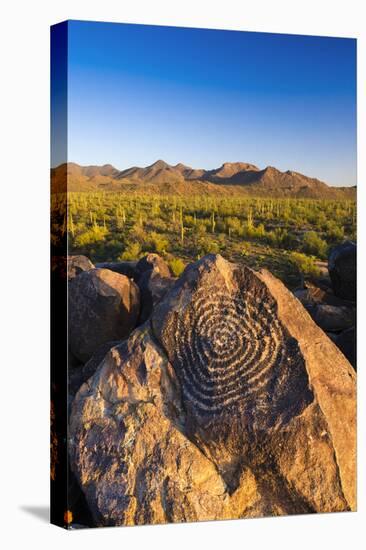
153	262
154	280
133	463
153	288
262	385
313	294
123	268
77	264
234	404
103	306
79	373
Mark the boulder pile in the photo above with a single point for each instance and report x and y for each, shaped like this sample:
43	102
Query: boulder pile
221	399
332	302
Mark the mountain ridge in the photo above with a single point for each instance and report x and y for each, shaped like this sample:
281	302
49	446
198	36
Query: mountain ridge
161	177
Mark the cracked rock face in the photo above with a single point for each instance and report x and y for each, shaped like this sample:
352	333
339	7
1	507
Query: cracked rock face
229	403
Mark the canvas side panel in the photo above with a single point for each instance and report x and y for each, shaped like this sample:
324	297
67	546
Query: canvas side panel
59	456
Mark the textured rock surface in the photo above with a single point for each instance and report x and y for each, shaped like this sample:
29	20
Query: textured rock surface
80	373
153	288
333	318
342	270
78	264
154	280
155	263
123	268
131	458
103	306
313	295
231	402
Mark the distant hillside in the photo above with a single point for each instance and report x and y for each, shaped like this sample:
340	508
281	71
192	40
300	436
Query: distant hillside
238	178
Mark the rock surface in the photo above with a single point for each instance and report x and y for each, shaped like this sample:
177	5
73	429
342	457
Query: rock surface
77	264
132	460
346	341
80	373
313	295
154	263
231	402
153	288
123	268
333	318
342	270
154	280
103	306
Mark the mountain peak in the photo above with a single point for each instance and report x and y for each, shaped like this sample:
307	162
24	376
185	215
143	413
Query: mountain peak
183	179
159	164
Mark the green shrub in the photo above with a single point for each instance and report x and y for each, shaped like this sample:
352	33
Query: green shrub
313	244
305	264
158	243
209	247
176	266
93	235
131	253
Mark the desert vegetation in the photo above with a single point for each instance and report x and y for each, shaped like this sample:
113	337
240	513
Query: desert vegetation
291	237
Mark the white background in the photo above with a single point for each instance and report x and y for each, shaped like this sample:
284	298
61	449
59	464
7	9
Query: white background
24	290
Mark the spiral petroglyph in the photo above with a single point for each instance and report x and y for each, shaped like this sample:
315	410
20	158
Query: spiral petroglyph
226	348
228	402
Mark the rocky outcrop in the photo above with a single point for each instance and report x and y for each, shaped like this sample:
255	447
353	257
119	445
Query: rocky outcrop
103	306
80	373
333	318
342	270
132	460
153	263
312	294
154	280
126	268
230	402
77	264
153	288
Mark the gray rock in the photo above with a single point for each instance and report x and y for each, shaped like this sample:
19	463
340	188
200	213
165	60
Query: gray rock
346	341
333	318
342	270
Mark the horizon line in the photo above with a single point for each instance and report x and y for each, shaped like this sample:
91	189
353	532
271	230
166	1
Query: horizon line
200	168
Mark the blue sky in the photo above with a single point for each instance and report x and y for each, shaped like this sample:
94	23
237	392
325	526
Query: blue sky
203	97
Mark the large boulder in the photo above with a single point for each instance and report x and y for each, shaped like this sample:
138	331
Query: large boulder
103	306
262	385
77	264
128	451
342	270
231	402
